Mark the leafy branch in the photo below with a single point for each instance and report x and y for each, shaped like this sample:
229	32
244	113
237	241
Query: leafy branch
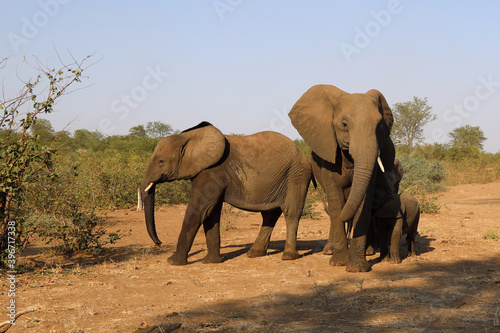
22	154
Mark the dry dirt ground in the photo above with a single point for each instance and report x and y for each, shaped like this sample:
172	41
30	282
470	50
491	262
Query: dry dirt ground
452	286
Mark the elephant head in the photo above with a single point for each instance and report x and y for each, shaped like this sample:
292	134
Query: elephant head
176	157
335	122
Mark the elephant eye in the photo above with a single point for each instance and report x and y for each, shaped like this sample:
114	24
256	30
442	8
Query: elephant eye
344	124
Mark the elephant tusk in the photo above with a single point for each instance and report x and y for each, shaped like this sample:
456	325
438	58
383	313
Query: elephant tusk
149	186
380	164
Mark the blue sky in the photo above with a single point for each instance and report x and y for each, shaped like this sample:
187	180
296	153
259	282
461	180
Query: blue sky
242	64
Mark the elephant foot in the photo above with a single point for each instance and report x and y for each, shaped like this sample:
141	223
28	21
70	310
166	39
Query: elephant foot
395	259
290	255
328	249
177	260
370	250
252	253
212	259
358	266
384	258
339	257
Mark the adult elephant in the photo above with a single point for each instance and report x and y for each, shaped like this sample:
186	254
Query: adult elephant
263	172
347	133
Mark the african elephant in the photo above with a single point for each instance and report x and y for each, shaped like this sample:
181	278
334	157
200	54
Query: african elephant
265	172
347	133
384	191
396	217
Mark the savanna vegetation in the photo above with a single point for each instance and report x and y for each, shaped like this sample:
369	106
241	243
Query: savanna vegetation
55	185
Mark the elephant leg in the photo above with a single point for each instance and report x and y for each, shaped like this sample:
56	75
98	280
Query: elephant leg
383	239
201	203
338	242
261	244
357	258
337	239
395	239
190	226
412	233
292	225
211	226
411	245
371	237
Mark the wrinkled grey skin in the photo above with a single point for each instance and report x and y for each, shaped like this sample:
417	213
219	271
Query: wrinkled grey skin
396	217
265	172
346	132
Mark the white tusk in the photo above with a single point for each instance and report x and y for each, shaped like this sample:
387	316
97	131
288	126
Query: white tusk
380	164
149	186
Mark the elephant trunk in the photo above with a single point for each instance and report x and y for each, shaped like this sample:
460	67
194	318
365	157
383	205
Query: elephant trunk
363	171
149	211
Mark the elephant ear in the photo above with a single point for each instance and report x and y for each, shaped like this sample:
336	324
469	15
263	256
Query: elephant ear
312	116
383	107
204	146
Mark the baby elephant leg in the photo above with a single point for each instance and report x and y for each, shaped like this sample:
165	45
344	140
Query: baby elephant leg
384	230
395	239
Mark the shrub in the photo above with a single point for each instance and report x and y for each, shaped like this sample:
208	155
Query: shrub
428	202
421	173
310	204
491	234
73	232
483	169
422	178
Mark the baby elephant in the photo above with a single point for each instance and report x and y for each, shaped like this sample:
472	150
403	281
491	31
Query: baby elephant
399	215
264	172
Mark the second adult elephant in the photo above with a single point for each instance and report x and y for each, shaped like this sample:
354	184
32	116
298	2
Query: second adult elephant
347	133
264	172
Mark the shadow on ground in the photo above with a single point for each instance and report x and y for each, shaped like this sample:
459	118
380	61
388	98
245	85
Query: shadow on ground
459	297
36	257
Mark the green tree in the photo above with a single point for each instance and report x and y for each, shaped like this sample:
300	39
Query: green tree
43	128
85	139
409	121
157	129
138	131
23	155
467	135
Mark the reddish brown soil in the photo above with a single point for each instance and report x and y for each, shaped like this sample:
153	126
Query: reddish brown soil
453	285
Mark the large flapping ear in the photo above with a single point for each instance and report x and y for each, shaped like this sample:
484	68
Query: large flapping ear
312	116
204	147
383	107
